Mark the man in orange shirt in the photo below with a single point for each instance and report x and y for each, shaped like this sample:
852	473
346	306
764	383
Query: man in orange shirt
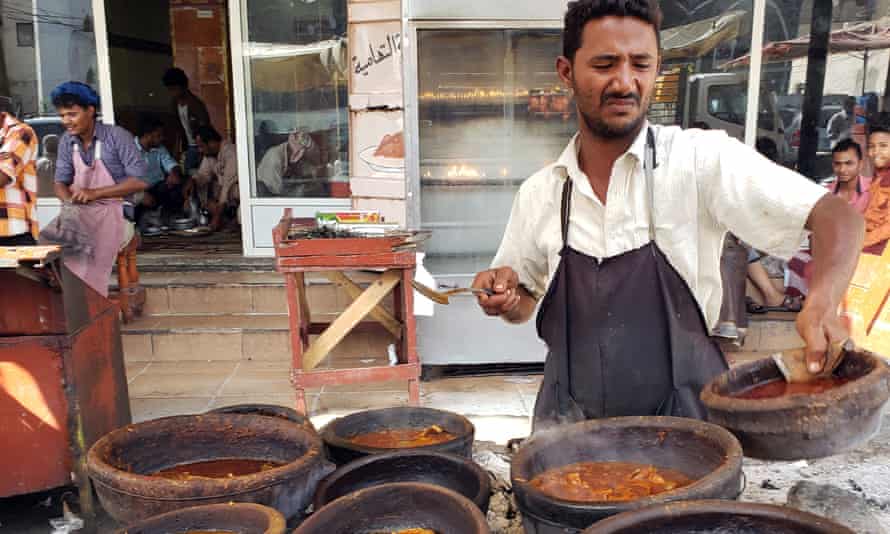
877	215
18	183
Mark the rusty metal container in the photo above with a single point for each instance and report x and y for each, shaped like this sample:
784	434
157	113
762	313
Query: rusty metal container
244	518
62	378
121	464
801	426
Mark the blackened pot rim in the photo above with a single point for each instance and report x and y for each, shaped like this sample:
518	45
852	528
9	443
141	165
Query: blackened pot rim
161	489
481	474
465	504
277	523
730	470
330	436
634	518
861	386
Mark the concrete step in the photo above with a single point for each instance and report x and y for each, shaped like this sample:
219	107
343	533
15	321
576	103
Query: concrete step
214	293
235	337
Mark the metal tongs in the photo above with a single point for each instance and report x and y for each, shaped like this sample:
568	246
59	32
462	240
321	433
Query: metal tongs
443	297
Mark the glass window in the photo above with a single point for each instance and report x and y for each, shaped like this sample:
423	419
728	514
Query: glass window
24	32
37	56
488	121
295	60
728	102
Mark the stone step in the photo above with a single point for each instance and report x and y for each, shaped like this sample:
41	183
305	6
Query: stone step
213	293
235	337
207	337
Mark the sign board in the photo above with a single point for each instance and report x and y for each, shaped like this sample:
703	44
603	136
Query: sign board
375	62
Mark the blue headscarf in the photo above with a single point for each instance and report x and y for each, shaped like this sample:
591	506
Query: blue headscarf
86	95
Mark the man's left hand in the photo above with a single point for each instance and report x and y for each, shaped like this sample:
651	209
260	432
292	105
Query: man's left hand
84	196
819	326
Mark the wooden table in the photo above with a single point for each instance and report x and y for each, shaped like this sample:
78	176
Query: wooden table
334	258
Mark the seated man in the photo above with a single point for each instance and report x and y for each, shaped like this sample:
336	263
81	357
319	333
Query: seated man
164	194
291	169
848	183
97	168
216	180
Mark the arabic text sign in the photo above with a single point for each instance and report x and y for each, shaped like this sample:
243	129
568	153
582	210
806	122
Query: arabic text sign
376	57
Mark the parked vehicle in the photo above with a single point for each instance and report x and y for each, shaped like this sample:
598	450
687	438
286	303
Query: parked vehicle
719	101
44	126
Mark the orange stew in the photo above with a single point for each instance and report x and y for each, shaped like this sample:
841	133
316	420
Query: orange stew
401	438
608	481
216	469
781	388
210	532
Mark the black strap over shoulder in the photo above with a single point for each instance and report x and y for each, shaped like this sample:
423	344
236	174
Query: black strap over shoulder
566	210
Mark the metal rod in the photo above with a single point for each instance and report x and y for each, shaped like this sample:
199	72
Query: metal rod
754	72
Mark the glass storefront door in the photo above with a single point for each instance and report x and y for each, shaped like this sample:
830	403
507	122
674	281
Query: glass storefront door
295	112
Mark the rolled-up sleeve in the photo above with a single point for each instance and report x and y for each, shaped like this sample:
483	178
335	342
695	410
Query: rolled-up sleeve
167	161
64	162
519	250
764	204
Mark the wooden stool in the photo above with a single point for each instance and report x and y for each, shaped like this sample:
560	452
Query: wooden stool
334	257
131	296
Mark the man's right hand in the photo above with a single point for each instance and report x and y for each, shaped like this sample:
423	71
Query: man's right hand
504	283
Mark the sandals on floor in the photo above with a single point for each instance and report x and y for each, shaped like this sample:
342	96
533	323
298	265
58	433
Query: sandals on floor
790	304
753	307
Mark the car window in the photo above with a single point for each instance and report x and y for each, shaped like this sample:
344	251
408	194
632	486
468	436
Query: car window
44	128
728	103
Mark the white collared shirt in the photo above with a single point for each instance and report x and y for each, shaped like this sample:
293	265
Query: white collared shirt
706	183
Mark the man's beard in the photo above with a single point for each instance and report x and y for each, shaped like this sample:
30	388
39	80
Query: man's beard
600	128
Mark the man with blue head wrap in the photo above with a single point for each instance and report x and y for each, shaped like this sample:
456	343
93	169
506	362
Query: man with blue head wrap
98	167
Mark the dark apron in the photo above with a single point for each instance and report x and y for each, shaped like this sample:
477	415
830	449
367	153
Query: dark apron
625	335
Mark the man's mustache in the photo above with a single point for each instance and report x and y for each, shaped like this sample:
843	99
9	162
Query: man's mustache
615	96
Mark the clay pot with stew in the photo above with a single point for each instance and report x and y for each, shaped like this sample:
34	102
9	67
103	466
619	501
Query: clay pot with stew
397	429
724	517
645	460
777	421
398	507
232	518
159	466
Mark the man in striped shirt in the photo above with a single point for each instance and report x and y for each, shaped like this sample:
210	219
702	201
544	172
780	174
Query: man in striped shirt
18	183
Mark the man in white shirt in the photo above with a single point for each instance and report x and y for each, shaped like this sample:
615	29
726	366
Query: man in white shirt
621	237
841	123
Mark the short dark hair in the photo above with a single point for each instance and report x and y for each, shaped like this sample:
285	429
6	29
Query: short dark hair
880	125
207	133
580	12
175	77
845	145
148	123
